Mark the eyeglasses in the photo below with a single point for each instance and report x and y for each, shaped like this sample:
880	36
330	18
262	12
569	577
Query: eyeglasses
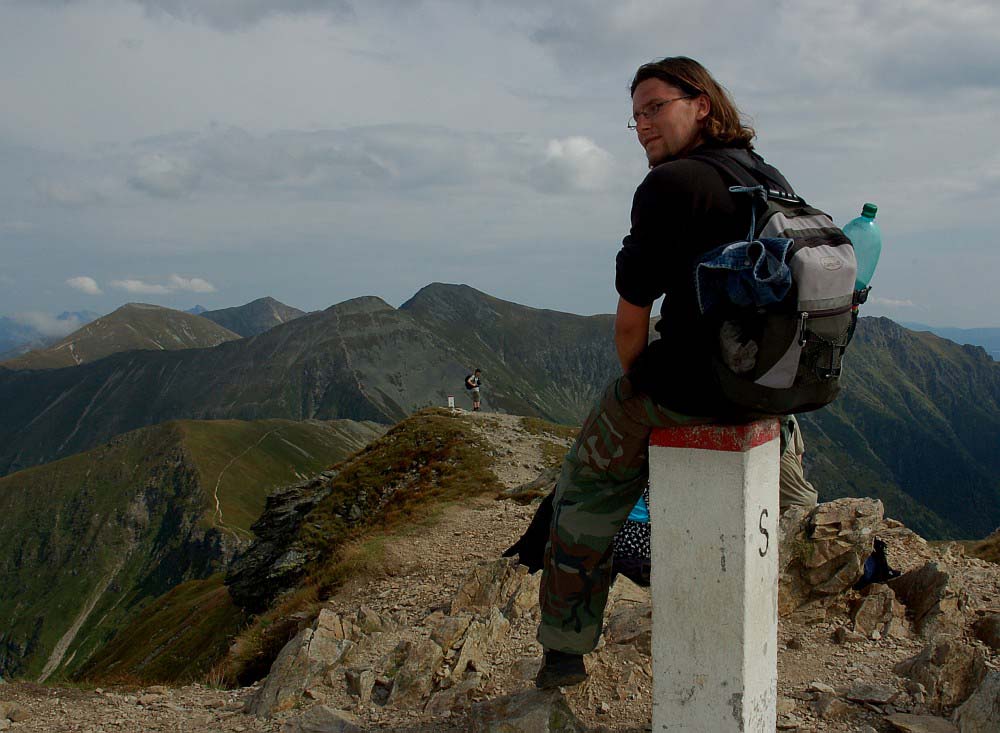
651	110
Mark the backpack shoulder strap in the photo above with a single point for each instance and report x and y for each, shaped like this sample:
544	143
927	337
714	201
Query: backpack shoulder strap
745	168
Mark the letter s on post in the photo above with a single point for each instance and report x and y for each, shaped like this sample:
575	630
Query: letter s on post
763	531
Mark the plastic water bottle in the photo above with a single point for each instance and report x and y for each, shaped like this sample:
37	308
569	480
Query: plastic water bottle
867	240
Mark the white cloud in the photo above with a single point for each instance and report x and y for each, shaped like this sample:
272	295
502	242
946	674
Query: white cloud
85	284
15	225
140	287
67	193
165	175
190	284
48	325
573	164
174	284
893	303
229	15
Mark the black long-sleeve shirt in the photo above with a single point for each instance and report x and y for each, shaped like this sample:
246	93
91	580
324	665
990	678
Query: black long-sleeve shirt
682	210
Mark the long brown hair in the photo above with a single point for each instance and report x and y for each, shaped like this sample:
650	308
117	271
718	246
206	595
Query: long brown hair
723	124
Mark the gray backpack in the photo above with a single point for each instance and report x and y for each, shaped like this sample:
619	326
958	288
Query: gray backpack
785	356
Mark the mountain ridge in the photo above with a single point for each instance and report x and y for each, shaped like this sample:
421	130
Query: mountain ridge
134	326
253	318
915	424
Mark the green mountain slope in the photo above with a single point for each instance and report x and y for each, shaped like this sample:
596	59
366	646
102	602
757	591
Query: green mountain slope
132	327
255	317
917	425
87	540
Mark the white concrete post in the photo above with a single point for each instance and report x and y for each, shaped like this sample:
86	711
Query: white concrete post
714	513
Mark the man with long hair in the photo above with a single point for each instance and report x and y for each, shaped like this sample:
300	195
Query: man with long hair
682	210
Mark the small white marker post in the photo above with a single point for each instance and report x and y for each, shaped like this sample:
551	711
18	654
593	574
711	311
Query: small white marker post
714	513
451	402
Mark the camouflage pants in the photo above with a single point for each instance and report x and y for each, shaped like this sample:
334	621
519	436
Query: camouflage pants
603	476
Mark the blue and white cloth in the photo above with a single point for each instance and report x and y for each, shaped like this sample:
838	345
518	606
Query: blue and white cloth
747	273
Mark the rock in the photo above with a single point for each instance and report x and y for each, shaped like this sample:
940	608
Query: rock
368	621
809	615
524	600
629	620
147	700
877	612
322	719
920	724
456	698
13	712
302	664
981	712
335	626
541	486
447	630
415	678
490	584
4	724
987	630
821	687
789	722
786	705
360	682
527	712
822	551
936	607
843	635
274	562
949	669
864	692
830	707
478	638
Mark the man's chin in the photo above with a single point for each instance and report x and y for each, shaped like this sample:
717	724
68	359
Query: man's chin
655	157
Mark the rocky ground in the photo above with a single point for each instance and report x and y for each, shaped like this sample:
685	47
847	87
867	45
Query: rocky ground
444	641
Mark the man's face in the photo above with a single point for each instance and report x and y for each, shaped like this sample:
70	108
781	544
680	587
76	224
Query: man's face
675	127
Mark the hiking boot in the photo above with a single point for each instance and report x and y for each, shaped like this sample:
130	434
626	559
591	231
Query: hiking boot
560	669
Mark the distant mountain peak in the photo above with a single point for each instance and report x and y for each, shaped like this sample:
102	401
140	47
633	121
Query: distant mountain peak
132	327
255	317
362	304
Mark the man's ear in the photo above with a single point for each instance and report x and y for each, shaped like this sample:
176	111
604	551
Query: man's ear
703	107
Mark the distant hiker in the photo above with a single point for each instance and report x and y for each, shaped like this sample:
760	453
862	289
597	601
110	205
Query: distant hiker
472	383
681	211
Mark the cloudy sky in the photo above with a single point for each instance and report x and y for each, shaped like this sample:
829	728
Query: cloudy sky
215	151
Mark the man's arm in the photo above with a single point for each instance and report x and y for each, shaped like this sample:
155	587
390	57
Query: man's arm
631	332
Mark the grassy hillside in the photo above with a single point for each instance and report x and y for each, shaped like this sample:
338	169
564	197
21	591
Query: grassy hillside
240	462
87	541
176	639
415	470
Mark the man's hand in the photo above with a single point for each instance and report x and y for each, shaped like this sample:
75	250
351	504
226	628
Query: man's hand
631	332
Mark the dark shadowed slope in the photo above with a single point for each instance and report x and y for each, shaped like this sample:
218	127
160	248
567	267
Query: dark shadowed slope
255	317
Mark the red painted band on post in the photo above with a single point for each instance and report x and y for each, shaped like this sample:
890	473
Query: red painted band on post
738	438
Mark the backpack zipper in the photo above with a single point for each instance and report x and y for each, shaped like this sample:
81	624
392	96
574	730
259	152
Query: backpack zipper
806	315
